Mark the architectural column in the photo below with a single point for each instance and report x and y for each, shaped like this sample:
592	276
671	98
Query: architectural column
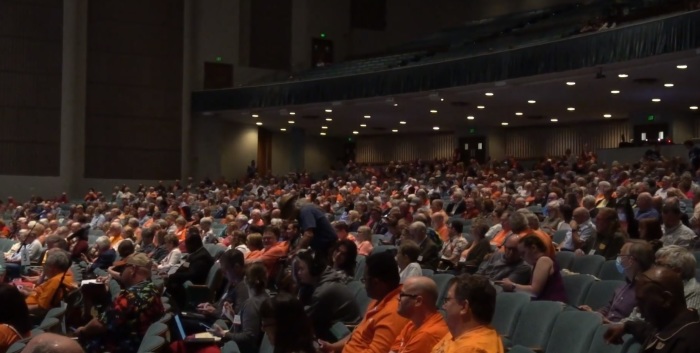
73	80
187	88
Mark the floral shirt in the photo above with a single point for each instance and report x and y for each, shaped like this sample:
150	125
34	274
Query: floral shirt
128	319
453	248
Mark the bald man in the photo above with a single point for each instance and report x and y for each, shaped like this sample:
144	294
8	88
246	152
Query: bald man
645	208
668	326
417	302
582	233
52	343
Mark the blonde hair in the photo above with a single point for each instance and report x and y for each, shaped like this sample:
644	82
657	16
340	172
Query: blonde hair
364	233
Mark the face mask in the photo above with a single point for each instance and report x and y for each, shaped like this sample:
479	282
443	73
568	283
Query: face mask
619	266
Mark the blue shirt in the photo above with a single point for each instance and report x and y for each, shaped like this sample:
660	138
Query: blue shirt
312	217
650	213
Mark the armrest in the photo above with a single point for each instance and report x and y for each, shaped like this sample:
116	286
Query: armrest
188	284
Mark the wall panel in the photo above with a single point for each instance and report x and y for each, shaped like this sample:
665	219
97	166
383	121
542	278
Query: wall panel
382	149
536	142
30	86
134	89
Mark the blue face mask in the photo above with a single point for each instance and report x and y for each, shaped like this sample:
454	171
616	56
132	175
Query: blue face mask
620	267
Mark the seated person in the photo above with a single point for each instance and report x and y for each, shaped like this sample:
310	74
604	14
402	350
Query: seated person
427	327
453	246
507	264
174	254
13	258
364	241
194	268
124	249
49	293
14	317
271	252
255	246
123	324
249	334
330	299
105	255
479	248
344	257
285	314
407	260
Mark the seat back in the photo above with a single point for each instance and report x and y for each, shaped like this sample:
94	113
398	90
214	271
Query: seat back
214	277
230	347
576	287
166	318
50	324
157	329
428	272
508	307
362	300
559	236
214	250
573	332
600	293
565	259
588	264
382	248
535	323
609	272
631	345
360	267
442	280
16	347
520	349
151	344
266	346
377	239
599	345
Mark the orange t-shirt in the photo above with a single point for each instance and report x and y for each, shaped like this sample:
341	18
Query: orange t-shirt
8	336
547	240
114	241
481	340
255	254
269	257
500	237
42	294
444	233
379	328
423	339
181	234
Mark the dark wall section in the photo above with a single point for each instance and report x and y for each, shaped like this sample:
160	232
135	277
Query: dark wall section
271	34
134	89
30	86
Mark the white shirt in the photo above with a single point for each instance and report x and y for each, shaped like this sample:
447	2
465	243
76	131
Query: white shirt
412	270
585	231
679	235
172	259
661	192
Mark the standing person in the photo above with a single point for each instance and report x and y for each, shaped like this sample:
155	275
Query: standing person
313	223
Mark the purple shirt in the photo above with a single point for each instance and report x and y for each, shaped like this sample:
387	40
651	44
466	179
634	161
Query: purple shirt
621	304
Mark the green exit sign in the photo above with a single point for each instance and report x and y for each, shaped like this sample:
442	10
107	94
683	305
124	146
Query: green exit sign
472	130
651	118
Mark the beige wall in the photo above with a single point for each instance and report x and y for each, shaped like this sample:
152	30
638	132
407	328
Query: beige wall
239	146
321	152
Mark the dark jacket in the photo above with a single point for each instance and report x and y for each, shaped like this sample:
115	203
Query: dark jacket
429	254
680	336
104	260
609	246
195	268
332	301
456	209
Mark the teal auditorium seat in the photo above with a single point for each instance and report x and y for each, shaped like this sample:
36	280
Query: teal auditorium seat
442	280
535	324
559	236
573	332
576	287
508	308
587	264
609	272
600	293
565	259
598	344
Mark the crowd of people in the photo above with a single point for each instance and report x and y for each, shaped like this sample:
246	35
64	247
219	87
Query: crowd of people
288	250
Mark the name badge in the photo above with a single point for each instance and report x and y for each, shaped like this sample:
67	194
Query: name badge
601	246
592	252
185	264
420	258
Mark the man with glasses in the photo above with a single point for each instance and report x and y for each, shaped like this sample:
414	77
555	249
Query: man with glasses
122	326
675	232
469	306
417	302
506	264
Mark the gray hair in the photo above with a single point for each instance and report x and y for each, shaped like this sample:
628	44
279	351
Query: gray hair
518	222
58	259
417	228
678	257
532	219
588	201
102	242
205	220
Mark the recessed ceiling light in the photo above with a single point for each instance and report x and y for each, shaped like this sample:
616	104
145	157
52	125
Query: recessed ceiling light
329	119
329	110
622	76
363	125
656	100
442	99
480	107
323	134
283	129
436	128
682	67
402	122
324	127
471	117
532	101
396	104
694	107
433	111
355	132
570	83
518	113
367	116
394	130
571	109
554	120
255	115
504	124
614	91
488	94
292	113
668	84
258	123
607	116
291	121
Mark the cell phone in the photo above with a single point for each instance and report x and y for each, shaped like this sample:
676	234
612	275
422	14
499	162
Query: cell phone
205	326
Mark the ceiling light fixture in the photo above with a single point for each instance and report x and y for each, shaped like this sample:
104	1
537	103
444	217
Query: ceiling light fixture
694	107
329	110
488	94
614	91
323	134
433	111
255	115
355	132
681	67
363	125
532	101
571	83
396	104
518	113
504	124
622	76
367	116
292	113
329	119
402	122
324	127
471	117
394	130
258	123
436	128
442	99
291	121
283	129
607	116
656	100
480	107
668	85
571	109
554	120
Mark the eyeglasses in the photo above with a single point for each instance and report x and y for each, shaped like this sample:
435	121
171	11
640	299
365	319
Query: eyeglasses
406	295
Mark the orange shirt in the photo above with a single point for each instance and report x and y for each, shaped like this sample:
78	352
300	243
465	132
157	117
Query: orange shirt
480	340
114	241
444	233
423	339
269	257
181	234
42	294
379	328
500	237
8	336
547	240
255	254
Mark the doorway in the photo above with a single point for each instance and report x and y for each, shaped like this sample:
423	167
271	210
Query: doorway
473	147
